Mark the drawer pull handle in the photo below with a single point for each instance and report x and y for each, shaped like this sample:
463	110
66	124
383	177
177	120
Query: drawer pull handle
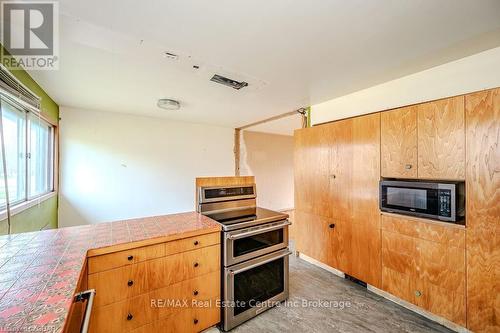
418	293
196	243
196	264
332	226
195	292
195	321
129	316
130	283
408	166
130	258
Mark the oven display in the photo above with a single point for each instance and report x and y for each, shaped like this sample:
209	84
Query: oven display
258	285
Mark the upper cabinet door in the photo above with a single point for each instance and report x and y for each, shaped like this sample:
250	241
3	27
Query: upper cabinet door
441	139
312	170
341	169
399	143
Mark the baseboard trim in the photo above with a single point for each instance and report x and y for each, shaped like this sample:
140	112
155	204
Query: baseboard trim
440	320
321	265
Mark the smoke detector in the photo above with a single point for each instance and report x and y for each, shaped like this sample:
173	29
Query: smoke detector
168	104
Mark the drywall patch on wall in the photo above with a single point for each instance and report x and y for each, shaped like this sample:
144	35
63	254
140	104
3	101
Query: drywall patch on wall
477	72
118	166
269	157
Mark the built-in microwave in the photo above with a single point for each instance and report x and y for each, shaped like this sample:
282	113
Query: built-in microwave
444	201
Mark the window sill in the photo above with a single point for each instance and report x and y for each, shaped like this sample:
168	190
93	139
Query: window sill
18	208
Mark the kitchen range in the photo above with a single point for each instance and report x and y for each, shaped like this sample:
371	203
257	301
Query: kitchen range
254	245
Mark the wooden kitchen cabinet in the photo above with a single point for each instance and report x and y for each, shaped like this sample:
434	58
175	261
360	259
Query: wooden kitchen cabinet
482	210
423	262
127	290
441	139
340	169
312	170
350	172
364	193
398	142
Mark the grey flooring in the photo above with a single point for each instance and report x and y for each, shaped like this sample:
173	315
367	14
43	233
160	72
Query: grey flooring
367	312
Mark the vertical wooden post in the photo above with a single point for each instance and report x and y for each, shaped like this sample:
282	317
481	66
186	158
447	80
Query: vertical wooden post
237	151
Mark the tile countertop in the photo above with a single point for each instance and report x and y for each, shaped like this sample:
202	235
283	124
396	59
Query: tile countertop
39	271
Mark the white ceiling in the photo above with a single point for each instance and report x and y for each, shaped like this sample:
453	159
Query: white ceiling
293	53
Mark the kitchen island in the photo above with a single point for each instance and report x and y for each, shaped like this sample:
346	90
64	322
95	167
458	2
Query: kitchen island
40	272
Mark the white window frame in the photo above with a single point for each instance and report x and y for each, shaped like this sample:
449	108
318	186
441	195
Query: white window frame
28	202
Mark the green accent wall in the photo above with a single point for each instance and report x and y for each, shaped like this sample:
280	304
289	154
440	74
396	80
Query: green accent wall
43	215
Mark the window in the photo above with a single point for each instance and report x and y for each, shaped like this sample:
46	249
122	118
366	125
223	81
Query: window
29	154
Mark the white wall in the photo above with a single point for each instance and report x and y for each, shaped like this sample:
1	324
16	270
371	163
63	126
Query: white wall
477	72
269	157
116	166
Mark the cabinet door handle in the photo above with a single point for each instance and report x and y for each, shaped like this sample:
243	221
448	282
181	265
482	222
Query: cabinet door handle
196	243
129	258
130	283
331	226
418	293
195	321
333	176
408	166
196	264
195	292
129	316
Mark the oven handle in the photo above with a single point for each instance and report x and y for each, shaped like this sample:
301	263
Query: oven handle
258	231
241	270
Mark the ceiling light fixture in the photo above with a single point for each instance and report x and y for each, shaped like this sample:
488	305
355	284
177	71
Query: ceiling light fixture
168	104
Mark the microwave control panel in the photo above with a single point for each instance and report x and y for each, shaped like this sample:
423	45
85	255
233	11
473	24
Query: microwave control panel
445	203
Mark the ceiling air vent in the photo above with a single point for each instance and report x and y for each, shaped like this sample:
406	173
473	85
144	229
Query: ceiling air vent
228	82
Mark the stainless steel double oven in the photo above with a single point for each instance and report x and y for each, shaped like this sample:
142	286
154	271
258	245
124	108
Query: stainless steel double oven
254	252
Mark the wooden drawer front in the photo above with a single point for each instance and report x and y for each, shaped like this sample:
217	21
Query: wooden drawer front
432	231
185	321
183	266
121	283
444	302
426	273
123	316
124	258
192	243
186	294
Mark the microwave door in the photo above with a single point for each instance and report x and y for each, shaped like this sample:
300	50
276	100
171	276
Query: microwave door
418	201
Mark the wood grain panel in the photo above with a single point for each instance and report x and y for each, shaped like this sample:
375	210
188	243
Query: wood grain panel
399	143
192	243
441	139
427	256
447	234
123	258
324	239
183	266
340	173
483	210
122	316
397	283
113	285
365	214
192	292
312	150
185	321
313	236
